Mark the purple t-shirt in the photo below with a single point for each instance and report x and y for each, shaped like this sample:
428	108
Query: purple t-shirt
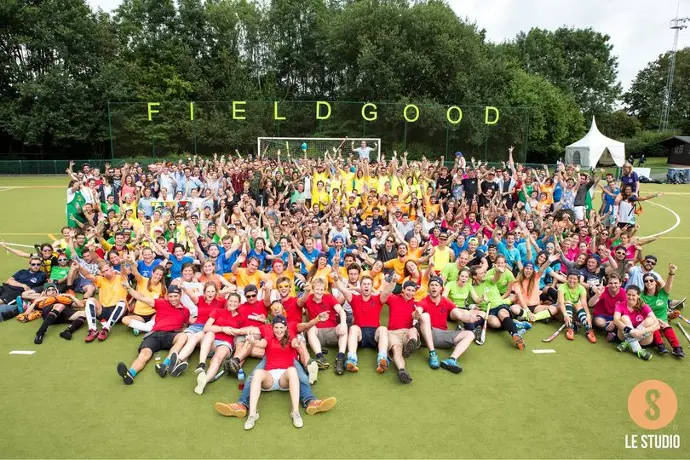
630	180
636	317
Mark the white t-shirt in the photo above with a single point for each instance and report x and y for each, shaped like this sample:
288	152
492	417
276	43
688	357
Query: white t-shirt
363	152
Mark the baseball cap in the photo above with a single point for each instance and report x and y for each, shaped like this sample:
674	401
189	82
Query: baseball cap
338	238
409	283
49	285
279	319
158	228
436	279
650	257
250	288
277	261
174	289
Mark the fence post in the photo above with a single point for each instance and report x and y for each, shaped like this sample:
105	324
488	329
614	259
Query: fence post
21	170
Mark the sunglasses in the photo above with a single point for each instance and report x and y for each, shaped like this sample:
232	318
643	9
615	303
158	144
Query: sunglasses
390	241
651	262
35	265
650	280
250	296
280	286
62	260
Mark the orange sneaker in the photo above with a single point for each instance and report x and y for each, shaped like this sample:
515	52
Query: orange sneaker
231	409
519	343
382	366
570	333
320	405
22	318
34	315
591	337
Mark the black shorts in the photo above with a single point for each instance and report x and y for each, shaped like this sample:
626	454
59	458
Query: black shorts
532	307
64	315
368	338
145	318
494	311
106	313
158	340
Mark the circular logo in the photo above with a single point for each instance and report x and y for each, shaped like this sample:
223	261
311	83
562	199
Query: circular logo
652	404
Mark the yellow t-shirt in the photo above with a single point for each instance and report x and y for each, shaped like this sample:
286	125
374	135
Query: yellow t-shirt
289	273
243	279
441	258
397	264
140	308
110	292
321	198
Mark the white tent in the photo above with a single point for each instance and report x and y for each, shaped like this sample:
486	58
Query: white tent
595	148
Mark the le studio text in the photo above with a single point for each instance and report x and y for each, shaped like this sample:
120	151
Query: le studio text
410	113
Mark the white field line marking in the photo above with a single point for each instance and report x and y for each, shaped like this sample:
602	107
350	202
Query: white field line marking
544	350
20	245
670	228
22	352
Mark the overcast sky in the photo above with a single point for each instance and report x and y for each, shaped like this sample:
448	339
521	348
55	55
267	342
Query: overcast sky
639	29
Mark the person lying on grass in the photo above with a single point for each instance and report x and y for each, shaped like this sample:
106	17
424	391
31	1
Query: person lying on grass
55	307
171	318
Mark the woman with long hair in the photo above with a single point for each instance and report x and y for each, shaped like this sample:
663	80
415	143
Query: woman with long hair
636	324
656	295
527	289
142	315
208	274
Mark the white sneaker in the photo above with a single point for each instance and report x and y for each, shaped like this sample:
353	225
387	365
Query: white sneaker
251	421
313	370
296	420
200	383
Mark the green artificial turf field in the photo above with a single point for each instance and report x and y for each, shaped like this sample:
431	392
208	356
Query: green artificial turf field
66	400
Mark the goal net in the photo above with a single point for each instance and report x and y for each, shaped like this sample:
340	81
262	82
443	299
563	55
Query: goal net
314	147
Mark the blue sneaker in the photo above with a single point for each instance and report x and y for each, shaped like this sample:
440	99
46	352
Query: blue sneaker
433	360
20	304
135	331
451	365
523	325
351	365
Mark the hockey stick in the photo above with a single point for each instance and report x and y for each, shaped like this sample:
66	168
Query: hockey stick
555	334
482	336
685	333
684	318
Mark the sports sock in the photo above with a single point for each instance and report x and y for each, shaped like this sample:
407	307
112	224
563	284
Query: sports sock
340	355
352	356
670	335
569	312
608	327
319	356
166	361
76	324
300	284
116	315
635	346
132	372
657	338
140	325
544	314
582	318
432	353
91	314
47	322
509	325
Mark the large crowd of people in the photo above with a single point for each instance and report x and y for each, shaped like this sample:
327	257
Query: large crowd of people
282	259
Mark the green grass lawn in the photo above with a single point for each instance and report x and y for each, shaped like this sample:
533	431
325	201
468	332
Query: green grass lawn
66	400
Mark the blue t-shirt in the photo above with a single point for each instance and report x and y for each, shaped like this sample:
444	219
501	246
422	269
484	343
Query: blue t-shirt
311	257
557	193
176	268
31	279
147	270
511	255
259	255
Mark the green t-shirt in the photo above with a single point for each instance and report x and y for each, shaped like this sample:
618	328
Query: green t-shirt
492	294
658	303
57	272
450	272
503	282
459	294
105	207
571	296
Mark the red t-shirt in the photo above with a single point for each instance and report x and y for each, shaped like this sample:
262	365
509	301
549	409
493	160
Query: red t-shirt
169	318
292	310
636	317
250	309
224	318
366	313
327	303
400	312
277	356
205	309
438	313
606	306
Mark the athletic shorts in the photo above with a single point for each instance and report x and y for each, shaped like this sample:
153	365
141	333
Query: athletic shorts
106	313
397	337
368	338
64	315
276	374
604	317
158	340
222	343
494	311
443	338
532	307
194	328
327	336
81	283
240	339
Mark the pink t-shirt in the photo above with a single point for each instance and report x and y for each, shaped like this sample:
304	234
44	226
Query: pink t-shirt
636	317
606	305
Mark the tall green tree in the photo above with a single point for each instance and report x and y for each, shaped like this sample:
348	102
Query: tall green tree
645	98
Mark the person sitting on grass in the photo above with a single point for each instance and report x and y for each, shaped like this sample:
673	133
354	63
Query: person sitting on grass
141	317
656	295
255	313
403	338
219	331
636	324
572	300
23	281
434	328
366	330
111	303
332	332
171	317
279	342
604	302
53	307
